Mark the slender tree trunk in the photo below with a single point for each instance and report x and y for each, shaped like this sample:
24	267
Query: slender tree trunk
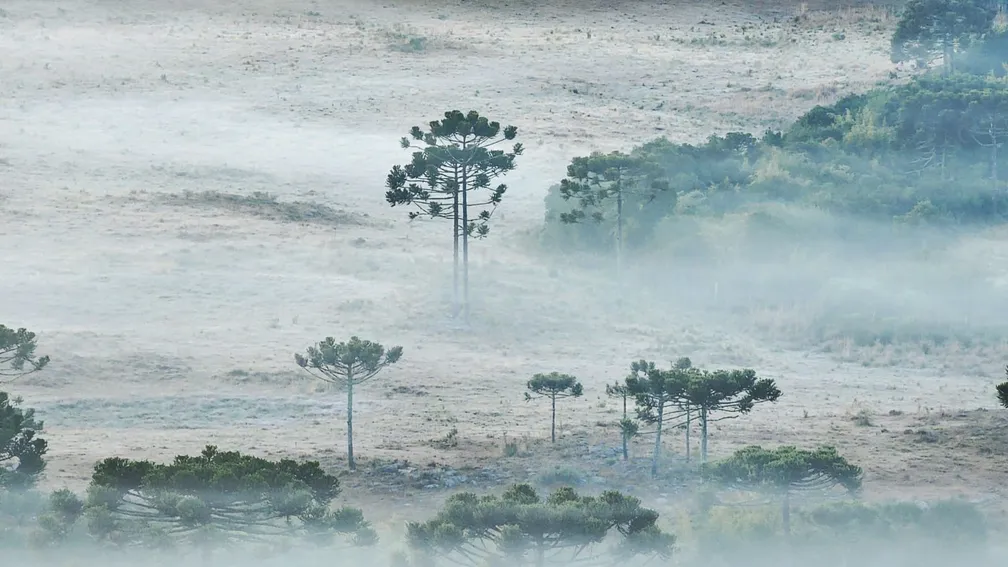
455	250
349	424
703	435
553	423
689	425
619	233
626	454
465	243
540	552
657	443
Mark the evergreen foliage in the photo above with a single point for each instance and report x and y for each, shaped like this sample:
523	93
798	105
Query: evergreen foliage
521	528
21	450
347	364
450	177
940	27
553	385
217	497
17	353
786	469
925	151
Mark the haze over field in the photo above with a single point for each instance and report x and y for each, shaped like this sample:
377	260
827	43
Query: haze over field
192	192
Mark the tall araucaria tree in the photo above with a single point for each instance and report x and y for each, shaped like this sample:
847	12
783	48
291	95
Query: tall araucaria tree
554	385
17	354
940	27
658	394
628	427
451	177
730	392
597	180
347	364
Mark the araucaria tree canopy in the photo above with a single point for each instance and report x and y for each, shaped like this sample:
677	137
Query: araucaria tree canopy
785	470
17	353
347	364
520	528
217	497
21	451
451	177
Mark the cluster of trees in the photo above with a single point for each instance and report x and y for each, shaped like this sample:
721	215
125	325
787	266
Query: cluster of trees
219	498
926	151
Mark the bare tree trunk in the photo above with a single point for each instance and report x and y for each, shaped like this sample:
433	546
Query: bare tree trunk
703	435
455	251
657	443
349	424
553	425
619	233
465	244
689	425
626	454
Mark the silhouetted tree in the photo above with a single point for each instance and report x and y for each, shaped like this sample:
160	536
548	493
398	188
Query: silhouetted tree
17	354
929	27
786	469
347	364
732	392
454	159
554	385
217	497
658	394
566	527
21	451
597	179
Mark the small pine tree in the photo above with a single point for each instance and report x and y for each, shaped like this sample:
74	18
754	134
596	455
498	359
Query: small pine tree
347	364
553	385
17	354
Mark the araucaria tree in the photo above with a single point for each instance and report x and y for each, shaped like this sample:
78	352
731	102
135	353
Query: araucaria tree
730	392
785	470
17	353
628	427
347	364
554	385
599	180
939	27
217	497
451	174
658	394
520	528
21	451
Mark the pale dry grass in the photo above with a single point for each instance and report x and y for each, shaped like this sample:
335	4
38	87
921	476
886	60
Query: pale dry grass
172	323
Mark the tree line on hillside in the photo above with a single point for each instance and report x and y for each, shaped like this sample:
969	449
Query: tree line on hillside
222	498
926	151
